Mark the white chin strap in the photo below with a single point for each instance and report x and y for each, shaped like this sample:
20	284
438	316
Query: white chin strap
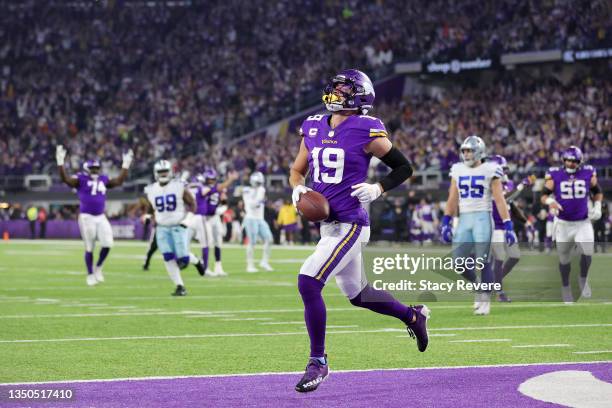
570	171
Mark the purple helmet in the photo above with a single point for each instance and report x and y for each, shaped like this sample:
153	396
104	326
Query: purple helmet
572	153
91	164
355	87
499	159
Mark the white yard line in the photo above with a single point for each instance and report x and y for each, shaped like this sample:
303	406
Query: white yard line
370	370
541	345
479	341
593	352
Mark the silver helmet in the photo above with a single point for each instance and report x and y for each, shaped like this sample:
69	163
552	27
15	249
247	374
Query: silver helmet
478	148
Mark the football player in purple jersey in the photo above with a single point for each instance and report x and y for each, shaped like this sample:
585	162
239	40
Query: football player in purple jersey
335	150
570	185
209	207
91	188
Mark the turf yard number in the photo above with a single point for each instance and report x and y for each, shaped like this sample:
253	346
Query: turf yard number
332	158
165	203
471	186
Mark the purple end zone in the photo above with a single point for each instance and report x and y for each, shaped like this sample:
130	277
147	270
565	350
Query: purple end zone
450	387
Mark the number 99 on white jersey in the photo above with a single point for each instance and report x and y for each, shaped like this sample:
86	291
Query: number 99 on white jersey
167	201
474	185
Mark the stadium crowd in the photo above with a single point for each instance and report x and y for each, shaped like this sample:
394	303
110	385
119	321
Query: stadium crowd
101	76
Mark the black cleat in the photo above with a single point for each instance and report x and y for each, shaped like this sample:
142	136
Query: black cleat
200	267
418	329
315	374
180	291
145	267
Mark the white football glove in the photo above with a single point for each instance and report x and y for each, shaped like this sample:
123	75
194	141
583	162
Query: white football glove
185	176
595	212
365	192
127	159
60	155
297	192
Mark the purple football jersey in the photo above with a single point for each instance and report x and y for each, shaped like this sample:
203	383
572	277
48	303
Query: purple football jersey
337	161
497	221
207	201
572	191
92	193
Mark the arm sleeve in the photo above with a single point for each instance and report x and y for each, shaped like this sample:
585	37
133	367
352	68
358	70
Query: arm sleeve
401	169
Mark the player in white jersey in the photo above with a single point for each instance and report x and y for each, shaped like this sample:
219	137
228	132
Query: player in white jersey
474	186
254	198
168	197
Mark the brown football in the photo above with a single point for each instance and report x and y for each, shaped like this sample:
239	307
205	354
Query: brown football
313	206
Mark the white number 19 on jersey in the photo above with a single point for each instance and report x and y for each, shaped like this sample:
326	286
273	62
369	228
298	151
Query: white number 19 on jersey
332	158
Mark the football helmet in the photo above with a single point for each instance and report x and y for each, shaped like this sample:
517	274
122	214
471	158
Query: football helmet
350	89
478	148
92	167
572	154
256	179
210	176
162	171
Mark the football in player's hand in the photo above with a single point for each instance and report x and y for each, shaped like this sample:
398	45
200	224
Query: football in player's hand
313	206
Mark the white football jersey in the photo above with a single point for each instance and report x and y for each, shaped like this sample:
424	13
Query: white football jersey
254	202
167	201
474	185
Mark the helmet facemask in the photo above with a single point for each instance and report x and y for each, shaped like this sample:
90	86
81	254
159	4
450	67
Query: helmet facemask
339	95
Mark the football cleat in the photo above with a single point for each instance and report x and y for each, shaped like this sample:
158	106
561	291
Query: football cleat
502	297
145	266
585	288
91	280
219	270
566	295
210	274
477	300
179	291
484	308
200	267
98	274
266	266
418	329
252	269
315	374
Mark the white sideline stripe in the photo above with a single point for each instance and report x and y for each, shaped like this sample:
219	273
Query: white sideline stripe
541	345
206	316
479	341
369	370
593	352
246	319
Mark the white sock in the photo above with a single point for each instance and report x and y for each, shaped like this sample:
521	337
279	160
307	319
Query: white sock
193	259
174	272
249	253
266	253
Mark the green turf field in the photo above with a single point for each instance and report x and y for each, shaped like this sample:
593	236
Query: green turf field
54	327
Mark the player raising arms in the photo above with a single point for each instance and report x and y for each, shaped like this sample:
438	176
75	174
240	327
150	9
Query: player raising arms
336	150
168	197
207	193
570	185
91	188
472	185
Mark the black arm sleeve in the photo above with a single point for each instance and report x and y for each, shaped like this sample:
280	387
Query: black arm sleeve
546	191
595	189
400	169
